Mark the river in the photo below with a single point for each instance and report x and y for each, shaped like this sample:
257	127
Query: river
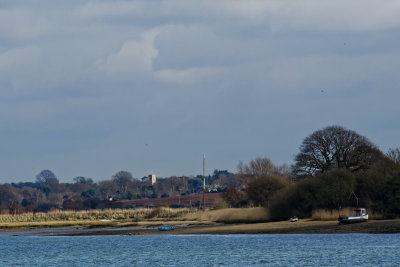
202	250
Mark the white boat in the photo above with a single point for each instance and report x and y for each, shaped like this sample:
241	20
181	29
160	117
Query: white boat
361	216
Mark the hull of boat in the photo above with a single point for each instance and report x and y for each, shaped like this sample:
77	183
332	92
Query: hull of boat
353	219
166	228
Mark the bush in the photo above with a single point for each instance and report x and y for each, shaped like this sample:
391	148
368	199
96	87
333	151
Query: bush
295	200
45	207
261	189
234	197
219	205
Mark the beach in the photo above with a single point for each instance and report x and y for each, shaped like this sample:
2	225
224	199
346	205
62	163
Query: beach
305	226
219	222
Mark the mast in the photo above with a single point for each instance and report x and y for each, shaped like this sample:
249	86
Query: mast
204	182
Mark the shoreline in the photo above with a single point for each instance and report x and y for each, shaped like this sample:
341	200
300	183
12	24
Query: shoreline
305	226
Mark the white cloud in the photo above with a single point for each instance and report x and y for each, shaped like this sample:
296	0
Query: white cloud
134	58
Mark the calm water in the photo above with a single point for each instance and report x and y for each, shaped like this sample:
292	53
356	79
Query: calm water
202	250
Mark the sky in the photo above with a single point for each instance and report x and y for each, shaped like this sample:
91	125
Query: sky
89	88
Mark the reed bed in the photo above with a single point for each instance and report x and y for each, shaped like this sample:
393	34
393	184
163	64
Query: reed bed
328	215
231	215
96	215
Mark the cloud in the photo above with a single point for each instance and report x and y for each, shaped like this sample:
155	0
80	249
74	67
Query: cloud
18	67
311	15
284	15
23	24
130	71
18	57
114	9
134	58
187	76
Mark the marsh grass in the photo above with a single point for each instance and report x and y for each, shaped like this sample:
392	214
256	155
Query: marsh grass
130	217
328	215
108	215
231	215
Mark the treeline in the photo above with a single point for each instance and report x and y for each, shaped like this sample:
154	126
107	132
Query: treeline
335	168
48	193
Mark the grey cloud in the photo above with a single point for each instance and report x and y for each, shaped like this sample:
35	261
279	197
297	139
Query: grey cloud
93	81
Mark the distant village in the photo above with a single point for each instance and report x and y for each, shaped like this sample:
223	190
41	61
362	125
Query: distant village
121	191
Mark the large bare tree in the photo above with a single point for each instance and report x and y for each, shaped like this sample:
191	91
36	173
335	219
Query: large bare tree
122	180
47	177
394	155
262	179
334	147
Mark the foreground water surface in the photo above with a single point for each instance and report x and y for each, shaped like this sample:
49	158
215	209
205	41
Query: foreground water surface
202	250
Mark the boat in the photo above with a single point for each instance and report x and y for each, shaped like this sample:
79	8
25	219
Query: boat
361	216
166	228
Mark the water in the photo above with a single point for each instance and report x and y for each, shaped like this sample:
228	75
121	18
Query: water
202	250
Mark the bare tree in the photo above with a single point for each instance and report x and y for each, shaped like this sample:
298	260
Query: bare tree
122	180
262	179
334	147
234	197
47	177
83	180
107	189
260	167
394	155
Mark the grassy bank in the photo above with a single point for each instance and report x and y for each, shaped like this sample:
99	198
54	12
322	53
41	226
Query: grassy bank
128	217
96	215
55	224
190	221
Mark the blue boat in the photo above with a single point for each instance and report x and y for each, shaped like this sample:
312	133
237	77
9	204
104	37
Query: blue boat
166	228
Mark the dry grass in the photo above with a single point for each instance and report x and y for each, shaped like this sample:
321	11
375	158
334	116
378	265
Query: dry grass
230	215
96	215
328	215
130	217
60	224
